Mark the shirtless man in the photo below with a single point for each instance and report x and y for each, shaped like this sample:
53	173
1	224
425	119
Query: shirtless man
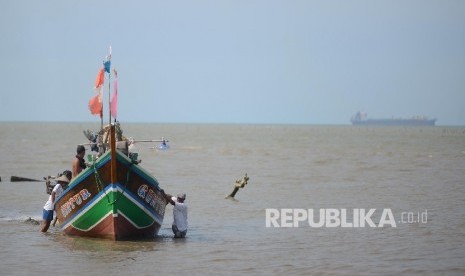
79	163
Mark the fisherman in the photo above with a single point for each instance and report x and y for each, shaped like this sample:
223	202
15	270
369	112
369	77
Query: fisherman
68	174
179	226
79	163
51	181
47	214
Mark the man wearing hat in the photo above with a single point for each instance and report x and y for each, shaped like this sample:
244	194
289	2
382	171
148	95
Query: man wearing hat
47	214
179	214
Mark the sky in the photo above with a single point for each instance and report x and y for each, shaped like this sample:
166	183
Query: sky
241	61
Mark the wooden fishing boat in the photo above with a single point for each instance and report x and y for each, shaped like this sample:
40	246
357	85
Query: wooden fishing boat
115	199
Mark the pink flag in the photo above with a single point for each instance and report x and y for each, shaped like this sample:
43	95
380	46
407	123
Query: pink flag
114	98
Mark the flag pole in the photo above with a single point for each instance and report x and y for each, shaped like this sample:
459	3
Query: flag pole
109	86
101	116
109	98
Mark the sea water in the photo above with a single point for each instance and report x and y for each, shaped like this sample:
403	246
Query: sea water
417	173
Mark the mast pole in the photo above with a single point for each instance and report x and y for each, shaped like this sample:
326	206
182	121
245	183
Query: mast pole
101	116
109	85
109	98
113	176
113	163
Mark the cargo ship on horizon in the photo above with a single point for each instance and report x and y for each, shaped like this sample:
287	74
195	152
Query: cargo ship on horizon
361	119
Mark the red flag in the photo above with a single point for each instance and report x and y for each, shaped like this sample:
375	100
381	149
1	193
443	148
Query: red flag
100	78
95	105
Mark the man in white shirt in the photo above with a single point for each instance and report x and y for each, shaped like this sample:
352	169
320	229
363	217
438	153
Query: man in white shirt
179	226
47	214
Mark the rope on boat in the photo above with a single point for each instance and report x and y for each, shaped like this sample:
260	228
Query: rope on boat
100	185
99	182
125	185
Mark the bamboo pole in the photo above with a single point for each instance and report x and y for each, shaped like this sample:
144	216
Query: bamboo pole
135	141
23	179
109	98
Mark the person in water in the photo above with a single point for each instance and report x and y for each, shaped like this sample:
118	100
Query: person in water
79	163
67	174
49	207
179	226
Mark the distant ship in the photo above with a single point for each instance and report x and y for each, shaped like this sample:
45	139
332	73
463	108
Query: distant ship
361	119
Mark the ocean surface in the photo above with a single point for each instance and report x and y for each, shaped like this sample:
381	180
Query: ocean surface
415	174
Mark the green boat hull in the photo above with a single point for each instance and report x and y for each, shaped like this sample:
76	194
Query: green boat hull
131	208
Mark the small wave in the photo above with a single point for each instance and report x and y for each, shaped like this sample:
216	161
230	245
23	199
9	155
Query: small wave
25	219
